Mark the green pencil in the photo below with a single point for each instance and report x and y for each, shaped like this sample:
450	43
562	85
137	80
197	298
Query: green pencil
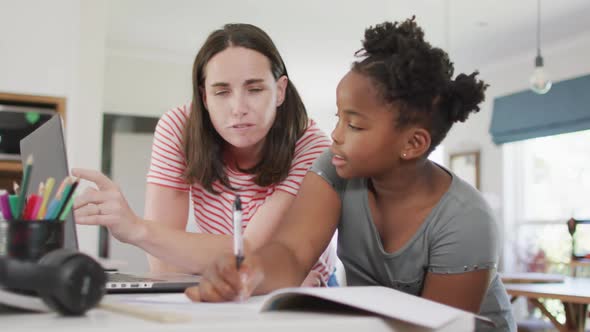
22	197
67	210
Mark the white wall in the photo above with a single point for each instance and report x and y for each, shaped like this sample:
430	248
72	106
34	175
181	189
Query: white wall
563	60
140	84
56	48
129	165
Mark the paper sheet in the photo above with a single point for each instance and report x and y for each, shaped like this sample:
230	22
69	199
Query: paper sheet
25	302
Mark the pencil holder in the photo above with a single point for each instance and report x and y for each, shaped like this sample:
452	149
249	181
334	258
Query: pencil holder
31	239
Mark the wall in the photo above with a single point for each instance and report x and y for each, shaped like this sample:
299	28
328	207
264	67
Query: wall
140	84
129	164
563	60
56	48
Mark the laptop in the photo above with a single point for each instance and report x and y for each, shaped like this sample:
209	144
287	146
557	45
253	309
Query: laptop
47	146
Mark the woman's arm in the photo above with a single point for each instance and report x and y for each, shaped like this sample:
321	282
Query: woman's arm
162	234
169	205
170	248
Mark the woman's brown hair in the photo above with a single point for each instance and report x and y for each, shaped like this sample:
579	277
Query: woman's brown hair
203	146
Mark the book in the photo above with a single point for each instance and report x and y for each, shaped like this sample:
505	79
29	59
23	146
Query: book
400	311
386	302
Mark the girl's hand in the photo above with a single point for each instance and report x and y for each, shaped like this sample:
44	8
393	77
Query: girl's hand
223	282
106	206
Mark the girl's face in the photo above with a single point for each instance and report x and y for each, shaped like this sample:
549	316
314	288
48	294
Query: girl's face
242	96
366	142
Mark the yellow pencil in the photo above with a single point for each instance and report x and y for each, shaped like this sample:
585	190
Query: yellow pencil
47	193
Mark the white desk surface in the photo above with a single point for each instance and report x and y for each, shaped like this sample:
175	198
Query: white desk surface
244	317
574	290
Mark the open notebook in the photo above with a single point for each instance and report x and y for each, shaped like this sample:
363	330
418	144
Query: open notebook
405	312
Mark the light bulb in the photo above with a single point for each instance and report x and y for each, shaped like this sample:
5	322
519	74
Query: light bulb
540	82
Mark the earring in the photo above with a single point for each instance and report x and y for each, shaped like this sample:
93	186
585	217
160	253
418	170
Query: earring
404	155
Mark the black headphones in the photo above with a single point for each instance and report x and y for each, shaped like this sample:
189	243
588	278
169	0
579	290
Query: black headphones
68	282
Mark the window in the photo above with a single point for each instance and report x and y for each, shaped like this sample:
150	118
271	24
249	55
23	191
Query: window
556	177
549	182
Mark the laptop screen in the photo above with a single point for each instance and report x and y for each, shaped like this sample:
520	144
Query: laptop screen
47	146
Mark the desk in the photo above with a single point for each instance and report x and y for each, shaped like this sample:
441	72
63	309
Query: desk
576	264
219	317
574	293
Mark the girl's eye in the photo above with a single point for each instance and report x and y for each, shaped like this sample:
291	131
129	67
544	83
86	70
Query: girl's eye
255	89
220	93
354	127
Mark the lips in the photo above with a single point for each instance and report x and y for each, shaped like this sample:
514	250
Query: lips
241	126
338	160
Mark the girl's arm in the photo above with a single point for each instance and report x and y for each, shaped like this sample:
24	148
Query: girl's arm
307	230
464	290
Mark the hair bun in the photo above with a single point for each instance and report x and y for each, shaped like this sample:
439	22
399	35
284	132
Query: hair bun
465	95
388	38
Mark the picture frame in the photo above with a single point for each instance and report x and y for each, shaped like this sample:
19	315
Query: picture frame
466	165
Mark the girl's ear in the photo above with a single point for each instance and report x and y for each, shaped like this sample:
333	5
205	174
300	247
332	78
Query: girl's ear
203	97
282	83
417	143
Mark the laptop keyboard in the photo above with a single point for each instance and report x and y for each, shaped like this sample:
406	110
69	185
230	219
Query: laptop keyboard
122	277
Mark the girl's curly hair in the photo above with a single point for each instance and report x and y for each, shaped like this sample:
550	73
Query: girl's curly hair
408	71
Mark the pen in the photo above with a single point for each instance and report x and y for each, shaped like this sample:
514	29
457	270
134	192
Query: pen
238	240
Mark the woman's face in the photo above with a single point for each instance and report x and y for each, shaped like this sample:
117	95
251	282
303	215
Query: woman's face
366	142
242	96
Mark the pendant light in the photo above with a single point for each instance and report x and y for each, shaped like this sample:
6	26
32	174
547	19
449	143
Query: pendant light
539	82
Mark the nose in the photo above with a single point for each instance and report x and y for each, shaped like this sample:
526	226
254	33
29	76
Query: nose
337	134
240	106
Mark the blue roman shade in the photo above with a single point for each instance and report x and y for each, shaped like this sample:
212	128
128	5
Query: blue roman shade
523	115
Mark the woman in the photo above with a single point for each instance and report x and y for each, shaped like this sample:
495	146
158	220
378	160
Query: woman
245	133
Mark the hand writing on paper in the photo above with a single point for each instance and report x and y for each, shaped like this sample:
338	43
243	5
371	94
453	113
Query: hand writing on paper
223	282
105	206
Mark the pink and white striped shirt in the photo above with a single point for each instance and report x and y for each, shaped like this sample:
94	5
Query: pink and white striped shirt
213	213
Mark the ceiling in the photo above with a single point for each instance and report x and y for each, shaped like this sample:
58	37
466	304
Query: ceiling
475	32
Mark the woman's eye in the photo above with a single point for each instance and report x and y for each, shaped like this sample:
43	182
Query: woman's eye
255	89
222	92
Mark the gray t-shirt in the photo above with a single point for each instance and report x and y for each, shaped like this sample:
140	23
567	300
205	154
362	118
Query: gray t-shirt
458	236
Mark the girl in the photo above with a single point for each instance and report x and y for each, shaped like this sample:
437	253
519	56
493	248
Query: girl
245	133
403	221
